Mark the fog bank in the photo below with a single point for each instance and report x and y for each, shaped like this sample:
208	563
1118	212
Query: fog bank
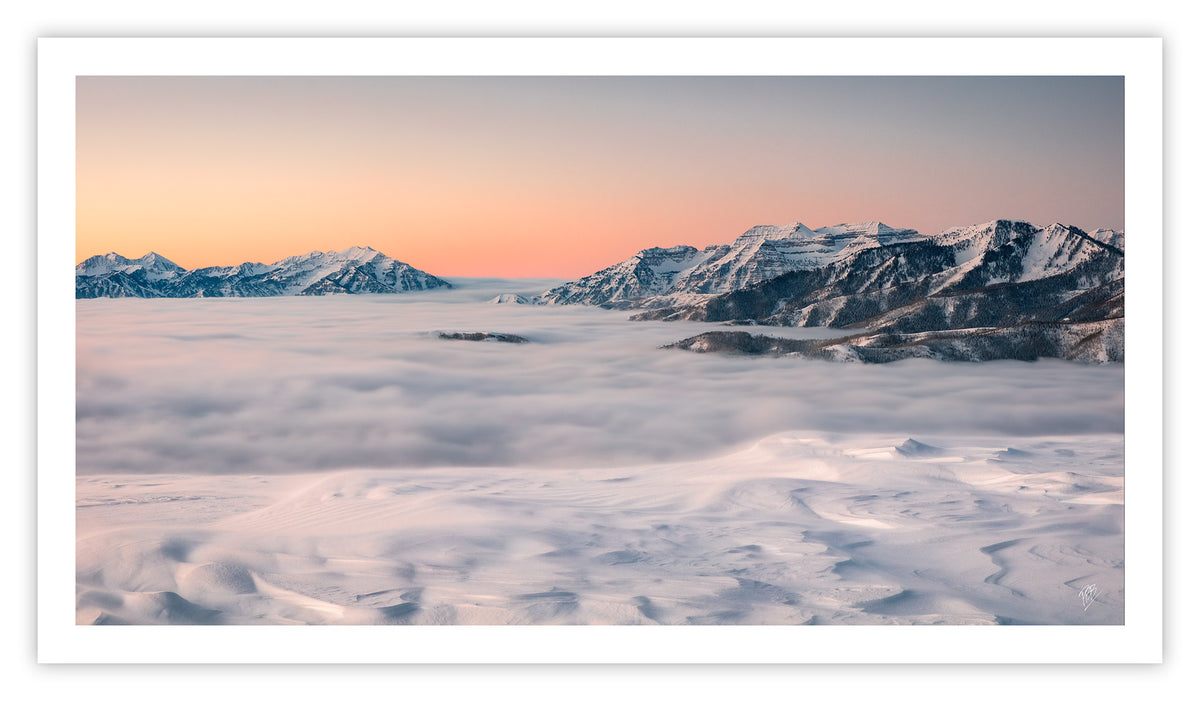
308	384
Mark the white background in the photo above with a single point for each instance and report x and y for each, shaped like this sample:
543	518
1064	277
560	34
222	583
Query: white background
752	19
62	59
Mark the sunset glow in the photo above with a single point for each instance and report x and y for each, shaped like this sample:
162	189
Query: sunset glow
559	177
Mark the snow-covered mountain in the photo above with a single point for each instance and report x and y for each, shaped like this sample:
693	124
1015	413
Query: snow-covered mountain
1007	251
154	266
662	276
1000	289
992	253
997	274
648	274
357	270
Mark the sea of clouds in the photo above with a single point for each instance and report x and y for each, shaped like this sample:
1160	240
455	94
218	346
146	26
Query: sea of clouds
298	384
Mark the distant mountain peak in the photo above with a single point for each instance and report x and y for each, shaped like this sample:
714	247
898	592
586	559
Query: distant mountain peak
874	227
154	259
355	270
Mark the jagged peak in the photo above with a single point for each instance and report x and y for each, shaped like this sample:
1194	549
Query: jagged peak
357	251
1014	226
111	257
762	232
153	258
354	253
1104	237
355	269
112	261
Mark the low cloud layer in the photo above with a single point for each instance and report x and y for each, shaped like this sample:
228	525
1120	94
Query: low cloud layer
305	384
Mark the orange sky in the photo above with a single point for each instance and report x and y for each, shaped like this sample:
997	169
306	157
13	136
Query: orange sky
560	177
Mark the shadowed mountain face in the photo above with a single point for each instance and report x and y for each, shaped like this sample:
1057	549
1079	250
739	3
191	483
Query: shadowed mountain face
994	275
1014	290
485	336
358	270
1095	342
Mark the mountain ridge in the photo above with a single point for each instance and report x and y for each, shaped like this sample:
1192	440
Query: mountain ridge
996	285
993	274
355	270
653	276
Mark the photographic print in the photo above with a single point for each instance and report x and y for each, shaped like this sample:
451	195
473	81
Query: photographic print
694	351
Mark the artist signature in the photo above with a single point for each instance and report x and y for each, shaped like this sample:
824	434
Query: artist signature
1088	595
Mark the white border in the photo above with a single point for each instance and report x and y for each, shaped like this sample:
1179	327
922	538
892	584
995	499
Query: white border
61	60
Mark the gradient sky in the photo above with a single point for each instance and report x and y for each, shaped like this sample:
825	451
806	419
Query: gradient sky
560	177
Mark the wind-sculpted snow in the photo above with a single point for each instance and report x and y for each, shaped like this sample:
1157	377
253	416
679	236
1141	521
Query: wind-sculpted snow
799	528
333	460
